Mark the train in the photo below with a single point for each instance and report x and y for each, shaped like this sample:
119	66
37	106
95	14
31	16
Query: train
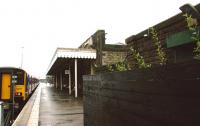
16	84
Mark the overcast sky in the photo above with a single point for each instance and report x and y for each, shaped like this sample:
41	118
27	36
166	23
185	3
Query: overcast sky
40	26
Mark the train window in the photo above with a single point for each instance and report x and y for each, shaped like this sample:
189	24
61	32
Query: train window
20	78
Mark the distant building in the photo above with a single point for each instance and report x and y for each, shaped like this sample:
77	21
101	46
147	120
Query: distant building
104	52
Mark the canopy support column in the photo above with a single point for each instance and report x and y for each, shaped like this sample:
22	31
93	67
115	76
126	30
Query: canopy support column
56	81
61	83
76	90
70	90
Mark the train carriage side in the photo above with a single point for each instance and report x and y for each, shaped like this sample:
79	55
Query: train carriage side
34	83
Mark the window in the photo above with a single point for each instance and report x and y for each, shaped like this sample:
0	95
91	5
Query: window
20	77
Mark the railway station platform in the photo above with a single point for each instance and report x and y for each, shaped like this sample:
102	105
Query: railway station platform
49	106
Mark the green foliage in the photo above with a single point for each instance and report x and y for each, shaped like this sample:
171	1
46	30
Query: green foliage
139	59
120	66
191	22
192	25
160	52
110	68
123	66
197	51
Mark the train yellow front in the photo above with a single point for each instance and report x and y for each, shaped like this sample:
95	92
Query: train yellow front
23	85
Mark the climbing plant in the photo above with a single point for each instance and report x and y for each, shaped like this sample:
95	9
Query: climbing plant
123	66
110	68
139	59
159	50
119	66
192	25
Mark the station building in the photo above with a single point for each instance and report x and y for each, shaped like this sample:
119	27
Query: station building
68	65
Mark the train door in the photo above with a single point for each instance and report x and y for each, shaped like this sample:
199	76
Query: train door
5	89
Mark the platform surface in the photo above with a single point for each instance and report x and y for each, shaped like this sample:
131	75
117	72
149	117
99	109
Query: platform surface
57	108
30	111
49	106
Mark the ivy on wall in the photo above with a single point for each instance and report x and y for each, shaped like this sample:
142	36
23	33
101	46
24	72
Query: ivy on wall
139	59
120	66
192	25
159	50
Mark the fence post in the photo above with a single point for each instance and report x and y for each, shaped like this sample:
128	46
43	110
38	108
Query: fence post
1	114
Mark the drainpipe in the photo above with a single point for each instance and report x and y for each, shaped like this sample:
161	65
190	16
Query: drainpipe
1	114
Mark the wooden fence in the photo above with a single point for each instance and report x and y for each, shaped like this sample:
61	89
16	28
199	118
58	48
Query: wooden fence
161	96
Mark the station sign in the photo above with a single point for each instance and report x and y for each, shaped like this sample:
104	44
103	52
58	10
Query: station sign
67	71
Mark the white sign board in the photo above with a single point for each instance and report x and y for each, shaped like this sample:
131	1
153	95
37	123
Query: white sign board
67	72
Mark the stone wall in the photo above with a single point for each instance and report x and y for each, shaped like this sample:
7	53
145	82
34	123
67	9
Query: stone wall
111	57
106	53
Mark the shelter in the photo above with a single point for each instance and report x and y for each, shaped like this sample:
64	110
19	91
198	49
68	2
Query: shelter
67	67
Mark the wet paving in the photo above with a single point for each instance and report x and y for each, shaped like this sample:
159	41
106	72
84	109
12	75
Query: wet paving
57	108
